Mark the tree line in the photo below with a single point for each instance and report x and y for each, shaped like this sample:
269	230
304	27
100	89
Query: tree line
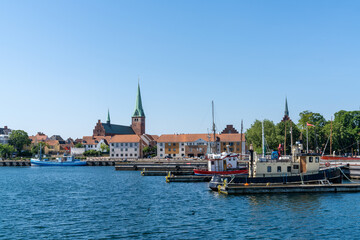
342	134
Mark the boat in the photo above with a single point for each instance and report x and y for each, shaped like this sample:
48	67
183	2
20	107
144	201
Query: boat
60	161
225	163
299	168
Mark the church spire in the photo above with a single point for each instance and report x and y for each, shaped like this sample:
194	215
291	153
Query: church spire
286	107
139	112
108	117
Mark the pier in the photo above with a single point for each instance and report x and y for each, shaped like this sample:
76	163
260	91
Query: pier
174	178
230	189
14	163
159	165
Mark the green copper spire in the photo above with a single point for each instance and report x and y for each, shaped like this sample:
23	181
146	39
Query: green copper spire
286	107
108	118
139	112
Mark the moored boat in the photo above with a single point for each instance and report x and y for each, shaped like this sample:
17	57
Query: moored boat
61	161
300	168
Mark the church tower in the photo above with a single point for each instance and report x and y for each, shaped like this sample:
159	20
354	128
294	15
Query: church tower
286	113
138	118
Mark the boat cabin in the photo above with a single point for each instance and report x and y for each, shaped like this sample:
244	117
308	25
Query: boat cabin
222	162
299	162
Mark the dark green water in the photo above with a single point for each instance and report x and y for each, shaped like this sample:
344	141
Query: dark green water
101	203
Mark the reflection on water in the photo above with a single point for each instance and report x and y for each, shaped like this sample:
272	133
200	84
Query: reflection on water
100	203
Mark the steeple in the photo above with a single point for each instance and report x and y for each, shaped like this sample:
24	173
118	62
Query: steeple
286	113
108	117
139	112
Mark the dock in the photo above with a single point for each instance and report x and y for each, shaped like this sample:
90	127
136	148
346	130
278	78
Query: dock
174	178
158	166
145	172
230	189
15	163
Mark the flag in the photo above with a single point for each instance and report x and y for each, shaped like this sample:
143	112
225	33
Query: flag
308	124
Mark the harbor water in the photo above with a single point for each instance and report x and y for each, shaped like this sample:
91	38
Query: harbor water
101	203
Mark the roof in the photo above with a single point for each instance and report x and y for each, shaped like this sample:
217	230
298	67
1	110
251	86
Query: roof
233	137
125	139
139	111
52	142
117	129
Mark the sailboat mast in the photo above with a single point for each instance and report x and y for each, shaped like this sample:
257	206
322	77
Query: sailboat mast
263	138
214	129
285	140
241	140
331	135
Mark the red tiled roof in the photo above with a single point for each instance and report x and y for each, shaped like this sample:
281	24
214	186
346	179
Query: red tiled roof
235	137
125	139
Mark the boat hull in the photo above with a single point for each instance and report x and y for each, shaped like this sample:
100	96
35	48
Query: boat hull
35	162
334	175
199	172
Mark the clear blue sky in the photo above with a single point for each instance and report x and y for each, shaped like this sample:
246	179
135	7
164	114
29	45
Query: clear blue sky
64	63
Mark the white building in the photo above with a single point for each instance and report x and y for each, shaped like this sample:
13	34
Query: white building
4	135
125	146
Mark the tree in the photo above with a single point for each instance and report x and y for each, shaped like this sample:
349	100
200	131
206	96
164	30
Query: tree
254	135
93	153
104	147
317	138
346	131
6	150
149	151
79	145
19	139
36	148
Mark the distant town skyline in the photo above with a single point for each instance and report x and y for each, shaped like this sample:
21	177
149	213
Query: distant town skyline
63	64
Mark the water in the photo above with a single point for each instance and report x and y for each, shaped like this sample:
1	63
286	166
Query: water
101	203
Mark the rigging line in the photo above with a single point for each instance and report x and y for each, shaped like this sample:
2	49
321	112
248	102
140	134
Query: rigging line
325	146
348	146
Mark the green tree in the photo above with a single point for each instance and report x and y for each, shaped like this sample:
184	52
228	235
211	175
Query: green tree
92	153
254	136
36	148
346	131
6	150
19	139
104	147
317	138
149	151
79	145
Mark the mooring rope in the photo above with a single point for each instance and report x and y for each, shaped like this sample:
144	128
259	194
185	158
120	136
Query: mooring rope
346	176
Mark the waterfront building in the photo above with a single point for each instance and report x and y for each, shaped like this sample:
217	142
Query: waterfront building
4	135
196	145
126	146
39	137
94	142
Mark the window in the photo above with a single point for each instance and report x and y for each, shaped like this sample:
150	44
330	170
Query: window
212	163
117	155
135	144
238	143
310	159
125	144
316	159
182	155
161	155
269	169
130	154
112	155
182	149
121	155
296	166
117	145
169	149
174	149
135	149
112	144
161	144
135	155
279	169
130	144
174	155
169	144
121	149
125	149
182	144
161	149
289	169
174	144
121	144
112	150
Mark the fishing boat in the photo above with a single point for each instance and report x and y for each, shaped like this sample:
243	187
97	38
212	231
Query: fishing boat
300	168
61	161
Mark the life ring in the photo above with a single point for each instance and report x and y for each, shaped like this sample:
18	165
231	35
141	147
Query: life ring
327	164
229	165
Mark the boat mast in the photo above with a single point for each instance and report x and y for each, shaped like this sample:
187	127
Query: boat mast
40	152
263	138
291	139
213	128
241	140
331	136
285	140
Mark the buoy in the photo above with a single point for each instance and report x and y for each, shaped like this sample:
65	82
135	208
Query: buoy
327	164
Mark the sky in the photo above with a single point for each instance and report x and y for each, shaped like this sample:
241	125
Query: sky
63	64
